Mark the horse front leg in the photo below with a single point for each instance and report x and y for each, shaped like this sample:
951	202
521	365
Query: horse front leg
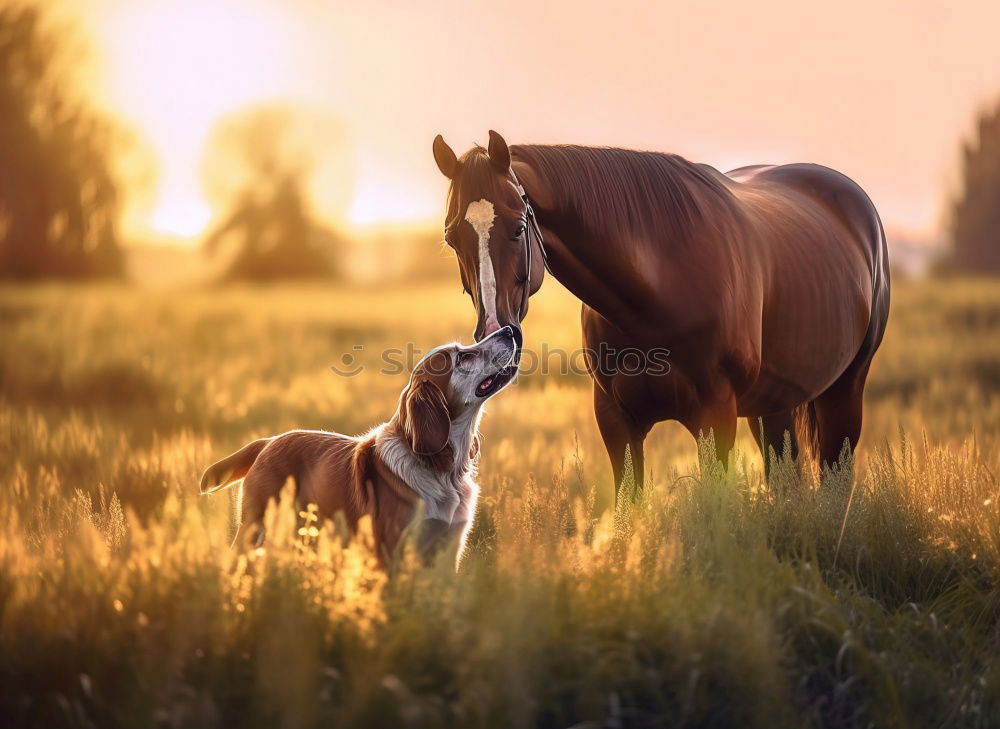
623	439
718	417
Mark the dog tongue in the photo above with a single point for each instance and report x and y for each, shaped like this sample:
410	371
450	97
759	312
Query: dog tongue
485	383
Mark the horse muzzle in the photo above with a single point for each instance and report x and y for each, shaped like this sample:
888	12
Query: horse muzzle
514	332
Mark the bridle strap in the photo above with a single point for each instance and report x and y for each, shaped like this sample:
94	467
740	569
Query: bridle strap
532	225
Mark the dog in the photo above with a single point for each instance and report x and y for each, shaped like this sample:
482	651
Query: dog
428	451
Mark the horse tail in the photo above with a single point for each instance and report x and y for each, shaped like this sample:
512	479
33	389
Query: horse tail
807	430
881	284
231	468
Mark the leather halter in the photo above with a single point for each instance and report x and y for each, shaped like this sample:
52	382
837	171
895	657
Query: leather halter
532	224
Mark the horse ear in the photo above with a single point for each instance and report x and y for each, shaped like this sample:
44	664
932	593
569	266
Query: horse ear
446	160
499	153
427	424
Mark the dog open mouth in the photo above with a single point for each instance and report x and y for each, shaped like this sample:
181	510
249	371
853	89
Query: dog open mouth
497	380
501	377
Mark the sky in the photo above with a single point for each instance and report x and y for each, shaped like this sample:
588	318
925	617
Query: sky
883	91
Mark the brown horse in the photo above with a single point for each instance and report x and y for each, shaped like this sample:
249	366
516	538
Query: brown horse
769	285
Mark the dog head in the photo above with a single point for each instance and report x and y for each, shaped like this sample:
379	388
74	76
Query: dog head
449	385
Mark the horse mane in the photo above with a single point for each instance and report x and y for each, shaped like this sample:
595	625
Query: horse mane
627	191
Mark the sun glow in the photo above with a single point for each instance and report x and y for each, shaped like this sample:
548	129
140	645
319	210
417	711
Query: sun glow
180	214
171	69
174	68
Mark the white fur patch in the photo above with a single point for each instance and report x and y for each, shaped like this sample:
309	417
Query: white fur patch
480	215
450	495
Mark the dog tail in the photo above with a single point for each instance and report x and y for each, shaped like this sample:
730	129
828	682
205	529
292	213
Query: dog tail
232	467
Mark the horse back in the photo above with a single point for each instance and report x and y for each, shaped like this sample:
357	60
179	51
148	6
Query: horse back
824	256
845	199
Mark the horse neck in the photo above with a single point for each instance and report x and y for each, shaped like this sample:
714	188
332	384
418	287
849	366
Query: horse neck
620	267
596	266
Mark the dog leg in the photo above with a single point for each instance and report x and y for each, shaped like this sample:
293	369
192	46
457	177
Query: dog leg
433	536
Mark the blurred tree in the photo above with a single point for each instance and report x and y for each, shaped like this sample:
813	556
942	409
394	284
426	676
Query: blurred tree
975	213
58	198
257	167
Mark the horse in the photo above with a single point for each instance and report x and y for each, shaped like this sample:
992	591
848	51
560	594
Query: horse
768	285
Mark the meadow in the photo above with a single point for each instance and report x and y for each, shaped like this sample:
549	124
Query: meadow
716	600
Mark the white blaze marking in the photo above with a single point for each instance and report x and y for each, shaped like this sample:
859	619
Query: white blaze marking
481	216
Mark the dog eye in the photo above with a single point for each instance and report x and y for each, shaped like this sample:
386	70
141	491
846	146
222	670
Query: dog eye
464	357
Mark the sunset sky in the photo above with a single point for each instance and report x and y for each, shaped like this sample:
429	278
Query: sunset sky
881	90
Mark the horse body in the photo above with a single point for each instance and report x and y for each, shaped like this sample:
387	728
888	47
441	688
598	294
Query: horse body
818	274
768	286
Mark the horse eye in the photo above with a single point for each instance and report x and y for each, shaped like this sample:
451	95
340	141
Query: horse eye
519	232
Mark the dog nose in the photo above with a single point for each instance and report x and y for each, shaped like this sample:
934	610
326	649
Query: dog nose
514	333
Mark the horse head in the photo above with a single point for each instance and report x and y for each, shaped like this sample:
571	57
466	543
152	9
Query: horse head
490	225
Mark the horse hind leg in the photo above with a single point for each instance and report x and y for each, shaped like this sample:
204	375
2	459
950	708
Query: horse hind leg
769	432
838	415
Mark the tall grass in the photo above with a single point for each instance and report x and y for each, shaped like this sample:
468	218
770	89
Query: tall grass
714	600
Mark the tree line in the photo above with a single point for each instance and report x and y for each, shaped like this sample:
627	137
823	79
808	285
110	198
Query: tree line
60	196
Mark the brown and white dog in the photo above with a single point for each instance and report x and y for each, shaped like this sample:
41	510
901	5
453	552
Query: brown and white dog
427	452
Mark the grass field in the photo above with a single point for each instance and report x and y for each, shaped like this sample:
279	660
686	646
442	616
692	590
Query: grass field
714	602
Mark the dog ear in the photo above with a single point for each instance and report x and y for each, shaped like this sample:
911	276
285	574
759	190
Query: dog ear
499	153
446	160
427	423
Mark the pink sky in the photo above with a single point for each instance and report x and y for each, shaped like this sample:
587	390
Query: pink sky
880	90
